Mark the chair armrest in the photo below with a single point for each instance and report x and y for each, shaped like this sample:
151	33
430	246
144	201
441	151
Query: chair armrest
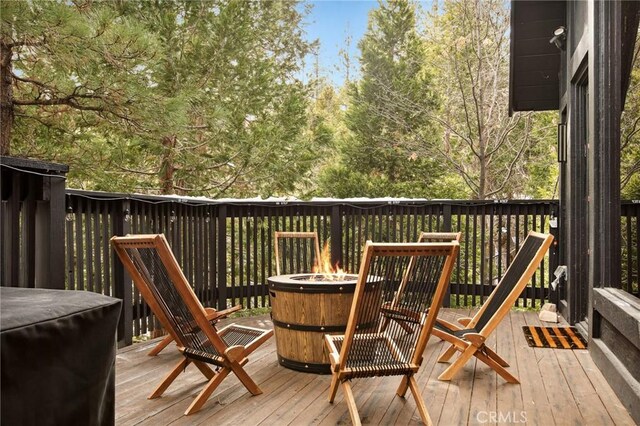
476	339
213	315
464	321
447	324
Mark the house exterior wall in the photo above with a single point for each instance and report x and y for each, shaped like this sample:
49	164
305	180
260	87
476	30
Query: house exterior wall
591	102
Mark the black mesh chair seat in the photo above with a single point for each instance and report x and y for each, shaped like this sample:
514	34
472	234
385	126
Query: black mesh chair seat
458	333
232	335
235	335
374	355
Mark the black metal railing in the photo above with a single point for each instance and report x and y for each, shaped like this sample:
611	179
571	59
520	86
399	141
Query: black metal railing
225	248
631	247
31	214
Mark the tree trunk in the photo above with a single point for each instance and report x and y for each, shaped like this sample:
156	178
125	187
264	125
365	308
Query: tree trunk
167	166
482	178
6	98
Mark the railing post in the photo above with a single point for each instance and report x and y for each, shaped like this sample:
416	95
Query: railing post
222	257
336	235
50	236
32	216
446	227
446	218
122	285
554	255
11	232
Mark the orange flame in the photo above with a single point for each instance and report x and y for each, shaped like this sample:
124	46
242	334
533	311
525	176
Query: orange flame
323	266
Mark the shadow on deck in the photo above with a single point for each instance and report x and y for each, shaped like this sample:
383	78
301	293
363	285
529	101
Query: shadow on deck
561	387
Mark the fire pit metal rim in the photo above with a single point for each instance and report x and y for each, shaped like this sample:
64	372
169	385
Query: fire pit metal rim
295	283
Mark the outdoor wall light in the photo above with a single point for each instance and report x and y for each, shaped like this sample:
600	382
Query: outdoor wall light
562	143
559	37
70	216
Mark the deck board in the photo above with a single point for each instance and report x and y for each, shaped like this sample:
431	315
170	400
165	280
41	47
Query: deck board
560	387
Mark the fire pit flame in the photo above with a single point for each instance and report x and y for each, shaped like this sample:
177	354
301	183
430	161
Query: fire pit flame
323	269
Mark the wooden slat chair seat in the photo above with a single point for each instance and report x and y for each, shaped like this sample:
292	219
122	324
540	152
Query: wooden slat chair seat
213	316
296	252
157	275
470	335
372	348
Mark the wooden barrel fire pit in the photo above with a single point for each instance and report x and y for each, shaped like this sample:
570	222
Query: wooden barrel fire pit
305	307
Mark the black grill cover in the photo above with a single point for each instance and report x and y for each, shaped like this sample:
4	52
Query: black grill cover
57	351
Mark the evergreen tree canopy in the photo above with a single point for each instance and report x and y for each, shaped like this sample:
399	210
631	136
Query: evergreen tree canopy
377	160
210	86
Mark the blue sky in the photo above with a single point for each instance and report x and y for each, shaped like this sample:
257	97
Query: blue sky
331	21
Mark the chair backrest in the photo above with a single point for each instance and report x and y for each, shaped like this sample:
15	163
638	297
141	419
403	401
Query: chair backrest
425	237
157	275
439	237
425	269
296	252
513	282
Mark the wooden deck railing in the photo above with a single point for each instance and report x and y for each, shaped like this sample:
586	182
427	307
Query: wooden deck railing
631	247
225	247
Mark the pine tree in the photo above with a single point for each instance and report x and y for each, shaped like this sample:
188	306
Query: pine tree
208	93
66	66
497	156
379	159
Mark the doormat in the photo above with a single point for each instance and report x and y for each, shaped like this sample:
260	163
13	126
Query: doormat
554	337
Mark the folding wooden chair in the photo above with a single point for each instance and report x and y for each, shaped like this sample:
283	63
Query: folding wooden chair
158	277
397	309
469	338
368	349
296	252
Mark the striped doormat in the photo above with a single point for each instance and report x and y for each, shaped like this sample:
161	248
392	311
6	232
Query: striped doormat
554	337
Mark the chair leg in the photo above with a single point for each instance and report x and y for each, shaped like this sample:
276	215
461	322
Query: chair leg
204	369
179	368
458	363
497	367
446	356
207	391
351	403
422	408
245	379
404	385
333	389
160	346
494	356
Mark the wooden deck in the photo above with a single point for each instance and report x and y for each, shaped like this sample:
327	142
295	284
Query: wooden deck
558	387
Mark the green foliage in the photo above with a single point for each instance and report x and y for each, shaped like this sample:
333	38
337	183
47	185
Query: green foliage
377	158
630	133
497	156
204	98
72	75
209	90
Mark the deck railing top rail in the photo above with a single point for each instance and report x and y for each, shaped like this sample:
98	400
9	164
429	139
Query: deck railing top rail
280	201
